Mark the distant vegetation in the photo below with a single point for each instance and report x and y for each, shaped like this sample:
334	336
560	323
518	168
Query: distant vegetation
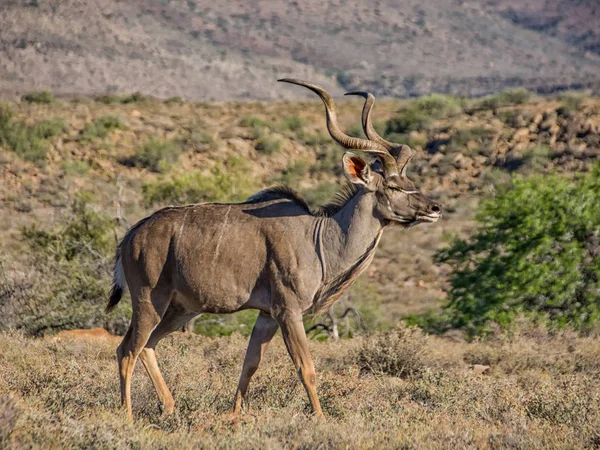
228	182
155	155
43	97
101	127
30	142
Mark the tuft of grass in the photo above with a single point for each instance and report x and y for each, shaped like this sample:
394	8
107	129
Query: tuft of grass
399	353
155	155
536	158
101	127
292	123
199	139
268	144
252	122
44	97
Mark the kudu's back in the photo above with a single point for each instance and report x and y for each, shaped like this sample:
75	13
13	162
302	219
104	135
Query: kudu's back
218	257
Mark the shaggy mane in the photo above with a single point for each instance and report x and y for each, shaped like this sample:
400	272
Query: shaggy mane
285	192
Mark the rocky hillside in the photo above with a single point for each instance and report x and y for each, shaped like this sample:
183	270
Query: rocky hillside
129	155
236	50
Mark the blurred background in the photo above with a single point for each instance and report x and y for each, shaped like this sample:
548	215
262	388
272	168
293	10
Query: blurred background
114	109
234	50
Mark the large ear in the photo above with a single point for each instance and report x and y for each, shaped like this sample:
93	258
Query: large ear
356	169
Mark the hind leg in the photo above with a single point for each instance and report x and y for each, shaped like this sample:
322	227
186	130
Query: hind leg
175	317
148	308
262	333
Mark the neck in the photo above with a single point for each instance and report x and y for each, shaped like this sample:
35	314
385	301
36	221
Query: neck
349	234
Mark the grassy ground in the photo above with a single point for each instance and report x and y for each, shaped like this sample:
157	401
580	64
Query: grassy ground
128	156
396	390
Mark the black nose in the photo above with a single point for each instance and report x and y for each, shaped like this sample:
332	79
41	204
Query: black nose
436	208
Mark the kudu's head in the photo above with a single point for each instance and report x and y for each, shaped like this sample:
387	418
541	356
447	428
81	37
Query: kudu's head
398	200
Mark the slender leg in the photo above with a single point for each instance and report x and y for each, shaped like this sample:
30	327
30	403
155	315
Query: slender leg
173	320
144	319
262	333
295	340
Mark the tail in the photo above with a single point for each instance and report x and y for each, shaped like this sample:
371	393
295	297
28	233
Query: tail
119	283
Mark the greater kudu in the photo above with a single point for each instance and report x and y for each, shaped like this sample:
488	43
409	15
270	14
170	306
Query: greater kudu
271	253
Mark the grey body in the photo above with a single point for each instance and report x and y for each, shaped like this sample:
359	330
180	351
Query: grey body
271	253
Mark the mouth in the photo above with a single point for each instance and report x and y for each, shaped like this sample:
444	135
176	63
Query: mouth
430	218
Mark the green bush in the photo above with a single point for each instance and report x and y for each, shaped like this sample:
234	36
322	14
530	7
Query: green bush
225	324
293	173
460	139
536	158
43	97
292	123
30	142
228	182
511	97
252	122
268	144
67	279
536	252
199	139
571	101
113	99
155	155
419	114
101	127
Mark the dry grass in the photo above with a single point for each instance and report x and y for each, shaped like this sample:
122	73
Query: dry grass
65	394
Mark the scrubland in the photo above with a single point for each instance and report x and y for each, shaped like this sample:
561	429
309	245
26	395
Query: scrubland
75	174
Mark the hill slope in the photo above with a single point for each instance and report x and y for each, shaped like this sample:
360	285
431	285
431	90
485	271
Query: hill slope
235	50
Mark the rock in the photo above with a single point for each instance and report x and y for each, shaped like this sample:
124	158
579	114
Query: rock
521	134
479	369
435	159
136	114
548	123
537	119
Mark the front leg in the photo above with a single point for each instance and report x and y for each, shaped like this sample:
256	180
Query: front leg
296	342
262	333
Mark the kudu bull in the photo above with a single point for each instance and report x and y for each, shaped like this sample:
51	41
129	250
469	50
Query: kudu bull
271	253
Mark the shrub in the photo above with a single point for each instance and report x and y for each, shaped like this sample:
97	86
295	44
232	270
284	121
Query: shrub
66	285
536	158
155	155
571	101
199	139
43	97
229	182
101	127
460	139
292	123
225	324
268	145
112	99
293	173
252	122
419	114
30	142
535	252
511	97
400	353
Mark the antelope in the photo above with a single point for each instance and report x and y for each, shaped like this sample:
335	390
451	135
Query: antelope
271	252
